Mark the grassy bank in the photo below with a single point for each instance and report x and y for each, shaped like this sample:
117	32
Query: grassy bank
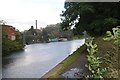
56	71
110	55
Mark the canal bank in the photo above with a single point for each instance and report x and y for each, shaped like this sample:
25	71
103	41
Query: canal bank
62	66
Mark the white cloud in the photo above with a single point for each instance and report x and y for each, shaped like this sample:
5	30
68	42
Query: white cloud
23	13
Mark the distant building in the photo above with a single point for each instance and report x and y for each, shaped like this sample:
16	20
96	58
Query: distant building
10	32
32	35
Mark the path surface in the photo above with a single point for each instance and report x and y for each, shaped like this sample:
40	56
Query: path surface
79	63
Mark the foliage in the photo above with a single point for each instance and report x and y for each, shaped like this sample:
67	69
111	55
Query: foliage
93	61
32	35
110	55
19	37
44	34
9	46
55	31
95	18
115	36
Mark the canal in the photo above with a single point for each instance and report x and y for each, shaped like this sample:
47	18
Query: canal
37	59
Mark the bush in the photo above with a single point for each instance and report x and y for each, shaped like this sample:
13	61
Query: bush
94	61
114	36
9	46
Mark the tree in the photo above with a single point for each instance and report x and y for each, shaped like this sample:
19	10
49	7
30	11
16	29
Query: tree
8	45
95	18
45	35
55	31
31	36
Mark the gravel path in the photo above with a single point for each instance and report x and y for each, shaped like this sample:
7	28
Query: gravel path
79	64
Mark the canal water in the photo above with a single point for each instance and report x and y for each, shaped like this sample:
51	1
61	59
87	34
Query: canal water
37	59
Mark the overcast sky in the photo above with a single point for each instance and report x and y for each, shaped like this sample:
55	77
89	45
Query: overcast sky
23	13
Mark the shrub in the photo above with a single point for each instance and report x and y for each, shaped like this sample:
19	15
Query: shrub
93	61
113	36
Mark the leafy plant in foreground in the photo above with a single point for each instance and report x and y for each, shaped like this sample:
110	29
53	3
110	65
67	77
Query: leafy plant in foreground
93	61
114	37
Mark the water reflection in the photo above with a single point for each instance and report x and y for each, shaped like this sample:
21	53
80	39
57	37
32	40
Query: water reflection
75	45
37	59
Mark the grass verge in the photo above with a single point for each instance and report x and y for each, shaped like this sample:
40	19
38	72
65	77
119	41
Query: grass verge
110	55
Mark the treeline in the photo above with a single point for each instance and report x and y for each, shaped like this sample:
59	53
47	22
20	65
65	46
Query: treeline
94	17
9	46
44	34
55	31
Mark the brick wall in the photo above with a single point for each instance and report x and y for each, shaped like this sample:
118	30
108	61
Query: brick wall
10	31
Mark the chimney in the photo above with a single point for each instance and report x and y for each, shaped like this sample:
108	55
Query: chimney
36	23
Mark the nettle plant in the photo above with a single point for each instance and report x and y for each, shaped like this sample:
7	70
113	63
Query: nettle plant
113	36
93	61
